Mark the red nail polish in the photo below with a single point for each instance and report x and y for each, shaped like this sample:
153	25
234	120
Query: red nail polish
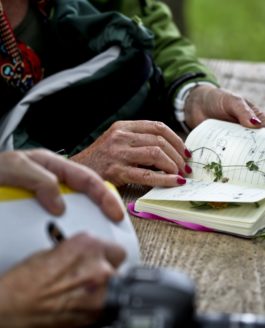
187	153
180	173
255	121
188	169
181	180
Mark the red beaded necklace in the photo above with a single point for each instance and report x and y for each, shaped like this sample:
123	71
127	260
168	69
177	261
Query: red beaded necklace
20	66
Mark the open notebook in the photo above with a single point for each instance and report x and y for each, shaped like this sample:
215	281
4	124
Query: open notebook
25	226
226	190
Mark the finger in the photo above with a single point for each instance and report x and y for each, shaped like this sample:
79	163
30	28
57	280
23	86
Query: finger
152	178
139	140
156	128
81	179
22	172
242	111
89	249
260	114
155	157
85	244
246	116
83	261
114	253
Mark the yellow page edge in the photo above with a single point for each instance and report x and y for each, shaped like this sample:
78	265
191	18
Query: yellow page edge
15	193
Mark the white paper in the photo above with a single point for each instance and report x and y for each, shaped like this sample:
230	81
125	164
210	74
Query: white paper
195	190
233	145
24	228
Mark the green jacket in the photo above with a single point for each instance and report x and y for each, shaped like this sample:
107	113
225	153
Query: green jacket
173	53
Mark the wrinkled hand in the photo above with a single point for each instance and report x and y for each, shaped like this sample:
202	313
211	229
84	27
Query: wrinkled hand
63	287
133	151
210	102
41	170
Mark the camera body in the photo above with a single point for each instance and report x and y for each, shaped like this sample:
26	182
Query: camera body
149	297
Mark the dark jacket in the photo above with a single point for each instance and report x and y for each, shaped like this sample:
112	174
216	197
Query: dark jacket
76	32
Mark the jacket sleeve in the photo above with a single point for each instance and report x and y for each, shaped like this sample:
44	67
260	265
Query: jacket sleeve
175	54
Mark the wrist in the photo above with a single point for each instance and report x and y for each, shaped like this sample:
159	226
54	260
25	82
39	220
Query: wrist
181	100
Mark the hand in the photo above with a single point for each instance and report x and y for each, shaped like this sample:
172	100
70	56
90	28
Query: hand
211	102
63	287
129	151
41	170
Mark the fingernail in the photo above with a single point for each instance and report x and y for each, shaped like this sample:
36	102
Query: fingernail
180	173
181	180
255	121
187	153
188	169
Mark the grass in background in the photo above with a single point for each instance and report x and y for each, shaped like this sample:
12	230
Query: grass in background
231	29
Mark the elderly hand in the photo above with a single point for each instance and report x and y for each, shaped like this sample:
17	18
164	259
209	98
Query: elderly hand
63	287
40	171
211	102
134	151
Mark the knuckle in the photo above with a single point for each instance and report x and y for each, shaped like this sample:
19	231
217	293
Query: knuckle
239	101
129	175
41	151
154	152
51	181
160	126
92	181
147	175
132	141
16	158
113	170
160	141
105	271
119	136
117	175
117	125
179	140
83	242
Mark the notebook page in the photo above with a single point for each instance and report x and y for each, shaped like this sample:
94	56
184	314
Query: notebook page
195	190
234	146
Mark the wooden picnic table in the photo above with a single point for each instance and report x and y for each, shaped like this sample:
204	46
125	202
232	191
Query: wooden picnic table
229	272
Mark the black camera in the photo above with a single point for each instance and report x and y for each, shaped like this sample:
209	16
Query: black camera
162	298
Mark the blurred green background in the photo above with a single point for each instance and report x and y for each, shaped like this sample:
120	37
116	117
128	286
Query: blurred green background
230	29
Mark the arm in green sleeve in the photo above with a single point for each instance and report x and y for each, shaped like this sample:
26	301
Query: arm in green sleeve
173	53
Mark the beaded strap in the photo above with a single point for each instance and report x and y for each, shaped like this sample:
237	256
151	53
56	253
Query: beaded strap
20	66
